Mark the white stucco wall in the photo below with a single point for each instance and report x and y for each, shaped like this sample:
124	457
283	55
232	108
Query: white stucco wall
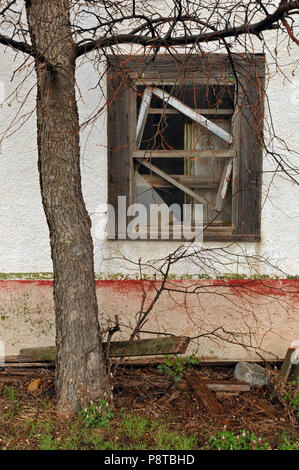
24	245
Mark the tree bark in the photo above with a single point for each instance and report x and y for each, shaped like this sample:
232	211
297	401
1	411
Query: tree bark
80	372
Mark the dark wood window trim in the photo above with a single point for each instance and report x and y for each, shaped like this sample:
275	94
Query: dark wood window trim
125	71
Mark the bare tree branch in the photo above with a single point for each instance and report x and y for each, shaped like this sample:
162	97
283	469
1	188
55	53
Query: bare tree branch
269	22
18	46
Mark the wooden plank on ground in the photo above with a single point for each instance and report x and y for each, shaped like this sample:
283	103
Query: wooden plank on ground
11	359
261	405
162	383
47	353
207	397
150	346
26	365
10	380
286	365
229	387
143	347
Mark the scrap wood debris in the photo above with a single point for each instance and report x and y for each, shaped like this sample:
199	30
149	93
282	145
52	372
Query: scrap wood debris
219	400
213	389
207	397
29	381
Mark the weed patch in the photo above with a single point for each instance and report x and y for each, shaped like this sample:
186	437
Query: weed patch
245	440
175	367
98	414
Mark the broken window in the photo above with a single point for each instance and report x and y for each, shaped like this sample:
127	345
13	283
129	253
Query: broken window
187	133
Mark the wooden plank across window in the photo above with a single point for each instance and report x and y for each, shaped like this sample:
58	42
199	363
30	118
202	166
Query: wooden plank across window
184	154
192	114
247	127
188	68
152	80
143	112
171	180
223	187
189	181
222	233
216	111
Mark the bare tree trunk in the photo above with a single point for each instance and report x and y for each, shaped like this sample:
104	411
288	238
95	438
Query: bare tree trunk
81	374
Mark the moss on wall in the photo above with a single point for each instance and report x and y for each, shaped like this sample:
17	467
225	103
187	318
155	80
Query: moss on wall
120	276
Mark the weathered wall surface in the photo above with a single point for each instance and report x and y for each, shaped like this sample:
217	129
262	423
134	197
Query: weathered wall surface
269	322
258	319
24	244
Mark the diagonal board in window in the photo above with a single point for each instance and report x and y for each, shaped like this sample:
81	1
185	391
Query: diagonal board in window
199	119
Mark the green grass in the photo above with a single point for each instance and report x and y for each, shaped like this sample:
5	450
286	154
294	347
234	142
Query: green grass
287	442
96	415
133	427
47	442
131	432
244	440
291	396
139	433
166	440
122	431
11	394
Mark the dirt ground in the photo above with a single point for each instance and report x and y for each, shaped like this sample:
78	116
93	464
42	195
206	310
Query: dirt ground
147	392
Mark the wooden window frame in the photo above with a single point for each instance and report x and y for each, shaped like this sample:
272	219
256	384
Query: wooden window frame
124	72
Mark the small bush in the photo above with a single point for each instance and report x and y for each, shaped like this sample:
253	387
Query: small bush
174	367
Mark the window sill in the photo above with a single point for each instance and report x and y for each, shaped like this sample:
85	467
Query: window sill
211	234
